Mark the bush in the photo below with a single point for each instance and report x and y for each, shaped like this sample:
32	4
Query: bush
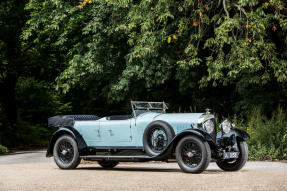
268	136
32	135
3	150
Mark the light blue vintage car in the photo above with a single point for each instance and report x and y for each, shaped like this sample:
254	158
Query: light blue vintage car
149	134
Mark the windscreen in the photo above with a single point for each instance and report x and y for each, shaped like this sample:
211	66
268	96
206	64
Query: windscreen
144	106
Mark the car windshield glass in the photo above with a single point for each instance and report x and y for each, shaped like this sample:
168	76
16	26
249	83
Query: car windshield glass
144	106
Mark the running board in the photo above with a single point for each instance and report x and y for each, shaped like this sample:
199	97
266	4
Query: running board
117	157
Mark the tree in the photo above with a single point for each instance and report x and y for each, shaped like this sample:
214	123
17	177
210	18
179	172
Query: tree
124	49
12	19
27	74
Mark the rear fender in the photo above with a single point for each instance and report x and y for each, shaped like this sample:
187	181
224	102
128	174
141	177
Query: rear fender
69	131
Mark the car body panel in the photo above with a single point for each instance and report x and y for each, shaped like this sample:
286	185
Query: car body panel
129	132
180	121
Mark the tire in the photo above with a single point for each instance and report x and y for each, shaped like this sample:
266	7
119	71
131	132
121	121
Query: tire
66	154
199	152
108	164
154	146
237	164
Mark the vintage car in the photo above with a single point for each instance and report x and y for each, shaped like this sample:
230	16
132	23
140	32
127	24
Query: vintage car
149	134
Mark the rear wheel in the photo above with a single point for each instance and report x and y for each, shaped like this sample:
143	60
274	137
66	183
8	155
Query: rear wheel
66	154
192	154
235	164
108	164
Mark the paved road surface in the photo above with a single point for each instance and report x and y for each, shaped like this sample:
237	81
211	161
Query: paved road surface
32	171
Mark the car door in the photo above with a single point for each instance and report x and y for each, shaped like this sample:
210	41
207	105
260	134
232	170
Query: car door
117	132
90	131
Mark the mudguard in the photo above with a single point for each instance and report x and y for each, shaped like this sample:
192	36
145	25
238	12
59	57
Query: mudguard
239	134
70	131
197	132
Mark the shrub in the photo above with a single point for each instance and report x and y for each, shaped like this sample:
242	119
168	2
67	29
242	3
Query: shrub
268	137
3	149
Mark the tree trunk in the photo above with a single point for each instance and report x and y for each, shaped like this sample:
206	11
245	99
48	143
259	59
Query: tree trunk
8	99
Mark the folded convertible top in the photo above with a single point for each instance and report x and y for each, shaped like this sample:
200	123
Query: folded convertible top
68	120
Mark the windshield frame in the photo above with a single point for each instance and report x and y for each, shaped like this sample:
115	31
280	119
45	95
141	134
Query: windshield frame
147	106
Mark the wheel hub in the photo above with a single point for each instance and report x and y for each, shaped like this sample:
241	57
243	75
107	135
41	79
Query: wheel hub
64	152
159	141
189	154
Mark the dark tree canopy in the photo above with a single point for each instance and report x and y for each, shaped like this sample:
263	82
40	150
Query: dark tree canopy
124	49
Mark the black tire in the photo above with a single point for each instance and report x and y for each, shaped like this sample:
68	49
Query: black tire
108	164
238	163
66	154
200	154
149	147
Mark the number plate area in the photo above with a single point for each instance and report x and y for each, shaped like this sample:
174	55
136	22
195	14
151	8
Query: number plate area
230	155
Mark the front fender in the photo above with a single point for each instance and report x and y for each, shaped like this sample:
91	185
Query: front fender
70	131
196	132
239	134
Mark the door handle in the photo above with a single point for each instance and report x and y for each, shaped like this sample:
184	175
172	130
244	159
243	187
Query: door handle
98	131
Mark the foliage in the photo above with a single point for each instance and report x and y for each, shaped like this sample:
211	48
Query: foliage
118	44
268	136
27	77
3	150
34	135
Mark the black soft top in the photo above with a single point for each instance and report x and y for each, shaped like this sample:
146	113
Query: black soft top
68	120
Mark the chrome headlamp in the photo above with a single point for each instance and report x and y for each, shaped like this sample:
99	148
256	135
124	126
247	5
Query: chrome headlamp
225	126
207	123
209	126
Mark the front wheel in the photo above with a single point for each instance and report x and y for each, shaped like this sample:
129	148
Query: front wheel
66	154
192	154
108	164
235	164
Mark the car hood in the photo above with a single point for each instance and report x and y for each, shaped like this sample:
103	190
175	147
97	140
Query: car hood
171	118
179	121
179	117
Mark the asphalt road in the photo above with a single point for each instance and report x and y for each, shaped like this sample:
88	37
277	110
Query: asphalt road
32	171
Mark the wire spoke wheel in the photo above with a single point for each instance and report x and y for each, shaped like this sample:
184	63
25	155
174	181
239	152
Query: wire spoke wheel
65	152
157	139
191	154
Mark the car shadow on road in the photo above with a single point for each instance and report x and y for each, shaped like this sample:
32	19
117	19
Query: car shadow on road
143	169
